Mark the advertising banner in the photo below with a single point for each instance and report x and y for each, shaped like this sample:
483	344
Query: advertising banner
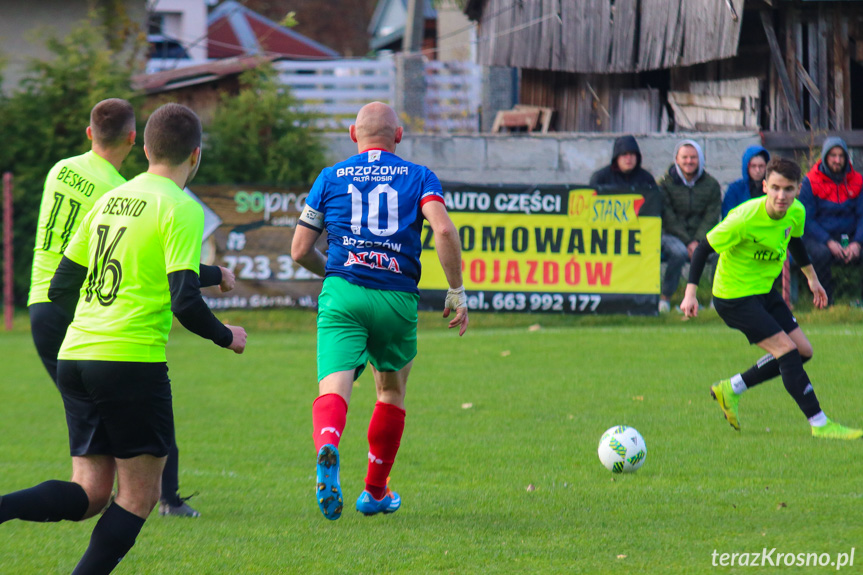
252	228
560	249
556	249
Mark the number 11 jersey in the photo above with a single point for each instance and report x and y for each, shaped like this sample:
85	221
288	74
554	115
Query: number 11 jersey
71	188
371	206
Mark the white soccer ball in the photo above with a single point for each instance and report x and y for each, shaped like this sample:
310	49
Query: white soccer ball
622	449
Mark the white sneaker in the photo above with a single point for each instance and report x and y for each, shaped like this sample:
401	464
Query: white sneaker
664	306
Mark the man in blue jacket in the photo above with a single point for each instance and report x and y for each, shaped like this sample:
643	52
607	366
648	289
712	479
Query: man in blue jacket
834	212
750	186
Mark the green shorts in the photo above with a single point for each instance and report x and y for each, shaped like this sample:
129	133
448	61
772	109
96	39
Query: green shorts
358	324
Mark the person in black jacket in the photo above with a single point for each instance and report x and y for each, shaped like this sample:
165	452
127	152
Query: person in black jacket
625	171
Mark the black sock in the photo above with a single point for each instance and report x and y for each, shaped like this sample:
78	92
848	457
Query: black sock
170	477
797	383
47	502
113	536
764	369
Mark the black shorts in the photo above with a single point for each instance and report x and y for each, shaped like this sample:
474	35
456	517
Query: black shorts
757	316
117	408
48	324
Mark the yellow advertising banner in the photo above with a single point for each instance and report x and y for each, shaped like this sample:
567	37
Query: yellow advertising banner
519	245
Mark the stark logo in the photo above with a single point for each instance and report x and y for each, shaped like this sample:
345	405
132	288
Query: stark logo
373	459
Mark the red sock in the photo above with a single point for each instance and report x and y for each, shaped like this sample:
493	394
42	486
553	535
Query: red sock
385	435
329	413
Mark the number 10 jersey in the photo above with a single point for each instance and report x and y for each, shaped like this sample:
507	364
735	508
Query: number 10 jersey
371	205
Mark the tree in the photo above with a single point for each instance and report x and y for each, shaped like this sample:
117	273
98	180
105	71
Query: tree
260	136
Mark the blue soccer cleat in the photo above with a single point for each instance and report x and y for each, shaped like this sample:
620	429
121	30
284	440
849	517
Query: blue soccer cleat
368	505
328	491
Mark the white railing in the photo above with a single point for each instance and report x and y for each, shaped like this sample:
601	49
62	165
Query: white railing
337	89
452	97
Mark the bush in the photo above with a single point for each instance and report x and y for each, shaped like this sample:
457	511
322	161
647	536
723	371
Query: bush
260	136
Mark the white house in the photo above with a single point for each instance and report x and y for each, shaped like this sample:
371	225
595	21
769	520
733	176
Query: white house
184	21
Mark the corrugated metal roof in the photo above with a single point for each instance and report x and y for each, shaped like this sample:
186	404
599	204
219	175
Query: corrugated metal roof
193	75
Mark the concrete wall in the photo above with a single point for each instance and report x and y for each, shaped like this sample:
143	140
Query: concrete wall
551	159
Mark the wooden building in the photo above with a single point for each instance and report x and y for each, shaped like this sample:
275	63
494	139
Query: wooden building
785	66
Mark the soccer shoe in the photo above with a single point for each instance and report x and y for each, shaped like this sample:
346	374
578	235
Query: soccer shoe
368	505
728	401
664	306
181	510
328	491
833	430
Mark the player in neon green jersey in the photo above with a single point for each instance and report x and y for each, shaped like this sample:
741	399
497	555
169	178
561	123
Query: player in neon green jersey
71	188
133	262
752	242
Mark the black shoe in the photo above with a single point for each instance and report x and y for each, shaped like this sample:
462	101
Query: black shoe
181	510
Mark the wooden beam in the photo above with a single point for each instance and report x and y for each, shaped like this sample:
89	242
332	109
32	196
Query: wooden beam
841	70
779	64
803	140
825	32
808	82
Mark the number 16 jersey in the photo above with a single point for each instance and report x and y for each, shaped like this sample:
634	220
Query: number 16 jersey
371	207
134	236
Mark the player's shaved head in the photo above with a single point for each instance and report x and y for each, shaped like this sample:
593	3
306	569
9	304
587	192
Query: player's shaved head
111	121
377	121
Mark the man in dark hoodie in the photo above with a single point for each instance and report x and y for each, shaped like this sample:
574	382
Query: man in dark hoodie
751	185
625	171
691	204
834	212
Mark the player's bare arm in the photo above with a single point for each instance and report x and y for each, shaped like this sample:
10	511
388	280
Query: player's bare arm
798	251
689	305
819	296
448	249
303	250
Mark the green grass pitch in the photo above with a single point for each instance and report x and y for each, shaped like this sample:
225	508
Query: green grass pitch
488	415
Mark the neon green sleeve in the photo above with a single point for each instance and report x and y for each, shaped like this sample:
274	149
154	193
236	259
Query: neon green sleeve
183	231
728	232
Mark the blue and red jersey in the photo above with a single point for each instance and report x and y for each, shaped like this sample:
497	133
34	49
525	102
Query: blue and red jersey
371	204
